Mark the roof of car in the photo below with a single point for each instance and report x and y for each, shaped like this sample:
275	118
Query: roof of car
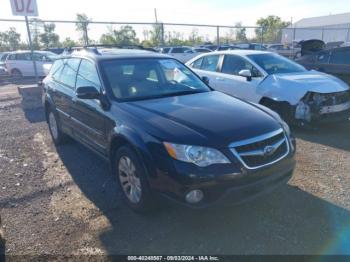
112	53
28	51
242	52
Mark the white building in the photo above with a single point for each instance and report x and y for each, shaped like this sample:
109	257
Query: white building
330	28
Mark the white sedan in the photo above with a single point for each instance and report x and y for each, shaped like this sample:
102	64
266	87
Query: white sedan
266	78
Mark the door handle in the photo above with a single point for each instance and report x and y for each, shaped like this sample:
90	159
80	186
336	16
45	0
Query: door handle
220	78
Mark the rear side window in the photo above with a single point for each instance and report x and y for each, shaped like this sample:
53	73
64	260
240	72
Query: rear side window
67	75
11	57
87	75
197	64
23	57
323	57
341	57
210	63
56	67
165	50
178	50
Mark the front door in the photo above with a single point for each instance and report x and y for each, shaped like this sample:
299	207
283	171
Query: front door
230	82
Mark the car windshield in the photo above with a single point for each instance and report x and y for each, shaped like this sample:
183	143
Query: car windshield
137	79
276	64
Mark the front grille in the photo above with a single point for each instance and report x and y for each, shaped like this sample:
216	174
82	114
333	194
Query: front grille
261	151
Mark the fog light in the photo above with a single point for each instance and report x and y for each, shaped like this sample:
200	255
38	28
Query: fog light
194	196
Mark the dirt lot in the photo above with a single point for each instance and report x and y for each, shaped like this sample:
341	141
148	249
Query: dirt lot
64	201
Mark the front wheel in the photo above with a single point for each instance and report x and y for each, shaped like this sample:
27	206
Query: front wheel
131	177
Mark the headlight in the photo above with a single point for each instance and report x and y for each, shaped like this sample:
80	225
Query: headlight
198	155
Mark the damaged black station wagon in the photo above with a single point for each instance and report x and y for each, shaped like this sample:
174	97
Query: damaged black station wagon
164	131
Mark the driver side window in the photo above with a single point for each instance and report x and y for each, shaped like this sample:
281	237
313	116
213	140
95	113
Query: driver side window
234	64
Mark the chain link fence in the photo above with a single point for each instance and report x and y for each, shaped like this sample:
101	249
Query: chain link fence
158	34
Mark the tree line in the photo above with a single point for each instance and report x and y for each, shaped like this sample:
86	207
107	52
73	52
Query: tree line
44	36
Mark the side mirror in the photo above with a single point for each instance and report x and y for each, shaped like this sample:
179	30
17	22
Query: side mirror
246	73
205	79
87	92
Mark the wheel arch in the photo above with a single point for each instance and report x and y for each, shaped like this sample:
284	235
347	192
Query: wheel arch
284	108
132	139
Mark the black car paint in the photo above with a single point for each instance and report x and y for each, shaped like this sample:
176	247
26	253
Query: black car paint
209	119
312	61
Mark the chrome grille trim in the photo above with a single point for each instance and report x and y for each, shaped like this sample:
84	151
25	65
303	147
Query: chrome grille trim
260	152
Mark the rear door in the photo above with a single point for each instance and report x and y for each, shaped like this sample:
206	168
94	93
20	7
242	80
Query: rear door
62	89
208	66
40	60
87	114
339	64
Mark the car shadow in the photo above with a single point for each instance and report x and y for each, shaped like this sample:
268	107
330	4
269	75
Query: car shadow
335	135
287	221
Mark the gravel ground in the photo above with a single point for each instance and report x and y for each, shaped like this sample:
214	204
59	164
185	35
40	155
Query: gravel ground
64	201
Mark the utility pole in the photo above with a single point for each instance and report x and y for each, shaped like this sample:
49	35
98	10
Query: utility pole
160	27
155	15
31	50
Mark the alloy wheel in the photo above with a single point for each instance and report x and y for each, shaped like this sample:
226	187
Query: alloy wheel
129	180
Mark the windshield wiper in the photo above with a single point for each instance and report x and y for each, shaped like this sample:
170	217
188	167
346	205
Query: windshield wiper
180	93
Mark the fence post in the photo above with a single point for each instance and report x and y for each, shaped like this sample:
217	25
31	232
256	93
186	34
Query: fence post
261	35
218	35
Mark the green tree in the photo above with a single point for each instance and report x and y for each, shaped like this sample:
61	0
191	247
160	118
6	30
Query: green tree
194	38
82	26
271	28
240	33
156	35
68	42
10	40
126	35
49	38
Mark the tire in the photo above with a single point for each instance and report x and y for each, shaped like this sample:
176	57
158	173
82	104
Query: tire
16	73
132	180
57	135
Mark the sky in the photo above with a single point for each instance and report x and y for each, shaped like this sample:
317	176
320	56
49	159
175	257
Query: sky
216	12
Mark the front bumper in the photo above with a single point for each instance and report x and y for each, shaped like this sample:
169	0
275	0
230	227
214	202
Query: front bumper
226	184
332	117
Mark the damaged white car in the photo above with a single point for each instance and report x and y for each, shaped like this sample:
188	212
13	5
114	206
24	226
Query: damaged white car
298	95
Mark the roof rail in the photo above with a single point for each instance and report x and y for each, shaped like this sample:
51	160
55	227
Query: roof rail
94	47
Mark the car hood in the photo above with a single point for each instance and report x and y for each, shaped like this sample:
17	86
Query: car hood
209	119
293	87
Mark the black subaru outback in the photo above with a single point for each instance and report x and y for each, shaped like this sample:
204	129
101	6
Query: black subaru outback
164	131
